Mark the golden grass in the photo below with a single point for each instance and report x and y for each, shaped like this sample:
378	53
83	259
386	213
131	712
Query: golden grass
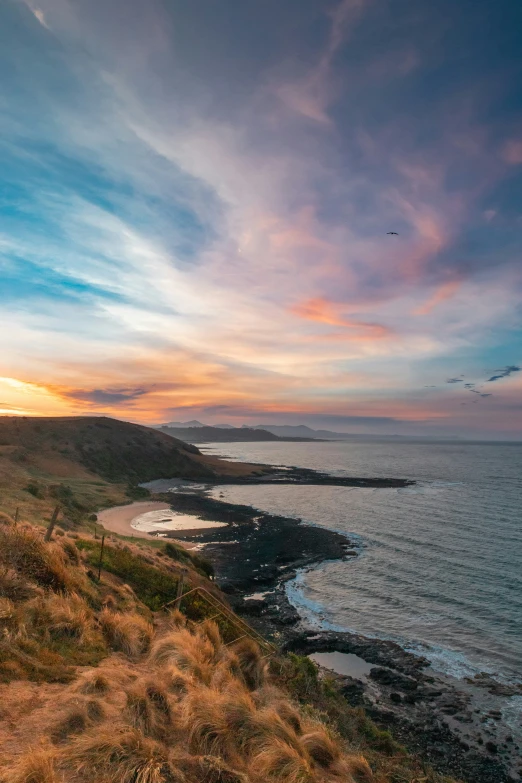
95	683
116	754
251	663
23	551
62	616
128	633
277	761
184	707
185	714
36	766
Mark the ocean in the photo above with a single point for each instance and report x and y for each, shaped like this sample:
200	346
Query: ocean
440	565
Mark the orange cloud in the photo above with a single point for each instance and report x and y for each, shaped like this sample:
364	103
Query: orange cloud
445	291
323	311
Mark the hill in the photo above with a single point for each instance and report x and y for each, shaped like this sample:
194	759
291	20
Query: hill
87	462
301	431
98	682
204	434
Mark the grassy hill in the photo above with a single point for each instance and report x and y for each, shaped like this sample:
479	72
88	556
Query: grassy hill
88	462
98	683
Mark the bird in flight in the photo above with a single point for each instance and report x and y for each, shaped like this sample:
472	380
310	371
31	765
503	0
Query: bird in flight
393	232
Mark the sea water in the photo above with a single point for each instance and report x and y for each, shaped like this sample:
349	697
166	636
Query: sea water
440	566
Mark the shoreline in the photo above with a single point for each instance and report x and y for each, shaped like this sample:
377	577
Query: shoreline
118	519
454	725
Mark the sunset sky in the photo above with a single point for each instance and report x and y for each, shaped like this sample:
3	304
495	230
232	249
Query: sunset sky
195	200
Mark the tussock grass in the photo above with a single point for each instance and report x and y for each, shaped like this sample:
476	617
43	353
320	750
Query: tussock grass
75	722
128	633
252	666
183	708
24	552
36	766
5	519
71	551
321	747
95	683
277	761
62	616
117	754
149	711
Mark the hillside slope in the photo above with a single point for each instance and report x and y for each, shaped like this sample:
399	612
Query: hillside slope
115	450
87	463
98	685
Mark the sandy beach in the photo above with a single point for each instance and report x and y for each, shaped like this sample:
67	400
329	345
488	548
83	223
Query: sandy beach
143	520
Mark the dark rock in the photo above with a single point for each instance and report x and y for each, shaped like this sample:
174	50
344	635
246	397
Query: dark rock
352	690
395	697
252	607
388	677
492	747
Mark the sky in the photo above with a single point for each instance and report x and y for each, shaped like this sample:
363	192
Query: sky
196	200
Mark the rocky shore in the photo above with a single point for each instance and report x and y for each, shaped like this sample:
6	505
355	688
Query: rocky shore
455	726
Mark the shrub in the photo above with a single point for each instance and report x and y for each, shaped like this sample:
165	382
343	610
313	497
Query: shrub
35	489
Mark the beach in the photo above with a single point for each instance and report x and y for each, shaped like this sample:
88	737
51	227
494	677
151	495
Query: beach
153	520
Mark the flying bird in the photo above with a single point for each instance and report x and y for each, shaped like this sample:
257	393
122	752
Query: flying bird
394	233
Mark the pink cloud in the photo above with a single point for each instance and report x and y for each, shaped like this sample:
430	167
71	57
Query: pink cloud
445	291
512	152
326	312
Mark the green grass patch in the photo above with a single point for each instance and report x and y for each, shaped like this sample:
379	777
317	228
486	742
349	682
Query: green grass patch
152	586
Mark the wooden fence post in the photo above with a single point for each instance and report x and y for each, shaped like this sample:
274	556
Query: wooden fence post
17	514
52	523
101	558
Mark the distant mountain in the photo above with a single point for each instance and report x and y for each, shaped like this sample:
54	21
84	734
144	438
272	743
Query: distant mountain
224	426
181	424
301	431
224	434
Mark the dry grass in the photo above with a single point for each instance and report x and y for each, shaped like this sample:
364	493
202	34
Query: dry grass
5	519
128	633
36	766
277	761
251	663
62	616
23	551
182	708
116	754
95	683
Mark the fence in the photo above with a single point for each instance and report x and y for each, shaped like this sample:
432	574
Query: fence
200	601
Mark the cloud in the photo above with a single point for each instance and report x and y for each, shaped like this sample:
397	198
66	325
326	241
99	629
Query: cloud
443	292
106	396
330	313
454	380
509	370
169	216
512	152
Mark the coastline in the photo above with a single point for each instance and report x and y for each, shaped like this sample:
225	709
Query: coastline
119	519
456	726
